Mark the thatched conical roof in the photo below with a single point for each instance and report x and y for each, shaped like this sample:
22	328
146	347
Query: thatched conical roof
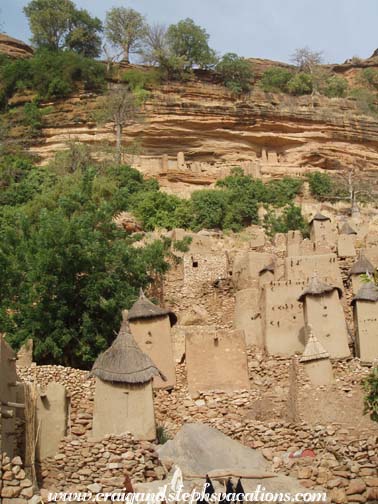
347	229
367	292
313	350
124	361
316	287
319	217
143	308
362	265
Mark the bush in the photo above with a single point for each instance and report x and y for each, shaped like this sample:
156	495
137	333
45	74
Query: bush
276	79
370	385
335	87
50	75
290	220
321	185
235	73
32	118
140	79
370	77
366	101
300	84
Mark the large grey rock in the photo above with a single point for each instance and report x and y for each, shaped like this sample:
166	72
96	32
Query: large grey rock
199	449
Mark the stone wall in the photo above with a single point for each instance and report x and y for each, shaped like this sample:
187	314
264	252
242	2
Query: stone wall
15	486
83	464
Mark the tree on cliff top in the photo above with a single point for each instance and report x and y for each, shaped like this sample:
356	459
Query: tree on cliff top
235	72
189	41
58	24
124	29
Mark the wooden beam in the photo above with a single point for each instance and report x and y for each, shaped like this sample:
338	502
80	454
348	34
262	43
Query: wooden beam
10	404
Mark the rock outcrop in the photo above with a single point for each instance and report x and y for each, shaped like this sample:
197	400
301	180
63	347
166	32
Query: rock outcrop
14	48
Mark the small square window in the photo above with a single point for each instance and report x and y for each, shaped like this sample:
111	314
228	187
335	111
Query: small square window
195	264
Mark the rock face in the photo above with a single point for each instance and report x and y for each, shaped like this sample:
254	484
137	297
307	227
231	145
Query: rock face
268	135
14	48
198	448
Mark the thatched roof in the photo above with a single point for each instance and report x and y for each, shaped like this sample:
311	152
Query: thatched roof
347	229
362	265
143	308
313	350
319	217
124	361
269	267
367	292
316	287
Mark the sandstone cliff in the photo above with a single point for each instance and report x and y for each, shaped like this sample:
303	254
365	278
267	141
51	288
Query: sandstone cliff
192	133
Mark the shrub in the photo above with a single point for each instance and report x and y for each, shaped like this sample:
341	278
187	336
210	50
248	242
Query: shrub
370	77
32	118
139	79
51	74
366	101
335	87
370	385
300	84
275	79
235	73
321	185
291	219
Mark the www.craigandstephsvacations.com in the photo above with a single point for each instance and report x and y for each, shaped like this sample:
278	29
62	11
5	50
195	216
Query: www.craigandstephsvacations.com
166	495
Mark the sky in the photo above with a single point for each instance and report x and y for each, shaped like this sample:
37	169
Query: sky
270	29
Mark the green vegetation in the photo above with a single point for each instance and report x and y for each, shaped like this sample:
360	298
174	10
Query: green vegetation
370	77
50	75
58	24
235	73
300	84
124	29
335	87
276	79
68	270
366	100
370	385
321	185
291	219
189	41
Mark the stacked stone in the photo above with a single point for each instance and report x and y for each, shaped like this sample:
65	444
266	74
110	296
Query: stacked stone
80	388
15	487
100	466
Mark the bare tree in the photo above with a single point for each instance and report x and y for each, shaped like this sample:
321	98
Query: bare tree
154	44
306	60
121	107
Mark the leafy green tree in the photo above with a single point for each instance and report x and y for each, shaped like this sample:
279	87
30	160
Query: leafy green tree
125	29
85	35
209	208
370	385
69	272
276	79
58	24
189	41
235	72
